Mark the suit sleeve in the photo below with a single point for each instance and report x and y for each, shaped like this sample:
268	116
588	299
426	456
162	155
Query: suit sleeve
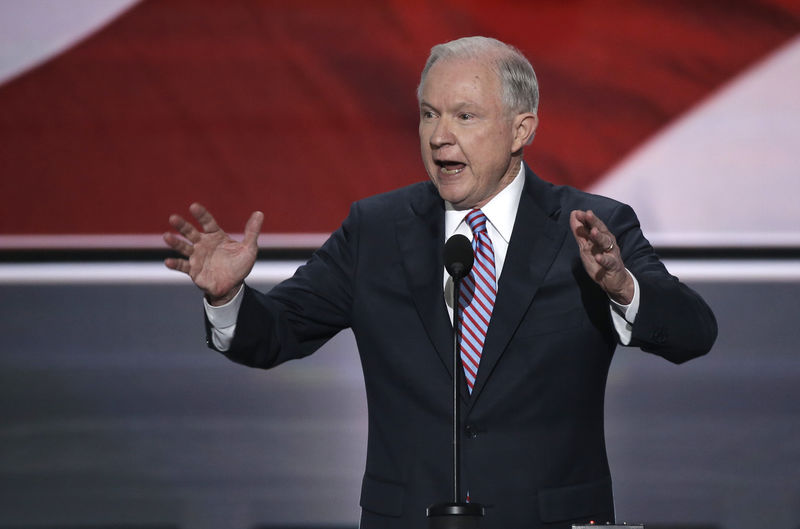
300	314
673	321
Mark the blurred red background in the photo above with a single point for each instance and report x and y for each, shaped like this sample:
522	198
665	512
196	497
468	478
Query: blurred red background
298	109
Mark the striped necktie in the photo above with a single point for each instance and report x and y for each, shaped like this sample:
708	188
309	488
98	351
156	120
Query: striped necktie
478	292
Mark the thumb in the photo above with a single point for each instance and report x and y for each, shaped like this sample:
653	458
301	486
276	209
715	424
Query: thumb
253	228
610	262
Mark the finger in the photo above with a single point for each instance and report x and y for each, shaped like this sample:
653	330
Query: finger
602	239
181	265
577	225
178	244
185	228
574	222
609	261
253	228
593	221
204	218
577	218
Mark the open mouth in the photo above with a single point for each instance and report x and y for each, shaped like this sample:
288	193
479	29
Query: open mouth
449	167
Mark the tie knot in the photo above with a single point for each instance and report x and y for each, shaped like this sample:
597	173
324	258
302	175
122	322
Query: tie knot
477	221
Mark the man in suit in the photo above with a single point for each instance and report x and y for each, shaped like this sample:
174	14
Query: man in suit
565	276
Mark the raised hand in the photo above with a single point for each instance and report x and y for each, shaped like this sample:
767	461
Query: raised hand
216	263
600	255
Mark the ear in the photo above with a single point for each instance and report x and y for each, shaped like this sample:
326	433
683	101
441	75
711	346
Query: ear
524	128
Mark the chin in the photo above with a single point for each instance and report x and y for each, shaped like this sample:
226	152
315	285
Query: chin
447	193
456	200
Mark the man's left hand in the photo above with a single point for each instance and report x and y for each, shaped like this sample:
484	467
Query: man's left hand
600	255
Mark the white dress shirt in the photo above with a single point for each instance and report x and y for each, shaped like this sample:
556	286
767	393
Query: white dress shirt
500	212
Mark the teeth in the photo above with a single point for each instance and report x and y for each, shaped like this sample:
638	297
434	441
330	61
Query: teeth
451	168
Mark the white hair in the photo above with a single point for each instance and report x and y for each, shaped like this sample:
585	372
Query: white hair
517	78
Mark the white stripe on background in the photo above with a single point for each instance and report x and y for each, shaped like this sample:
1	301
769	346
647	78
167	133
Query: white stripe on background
33	31
146	241
725	172
124	273
690	270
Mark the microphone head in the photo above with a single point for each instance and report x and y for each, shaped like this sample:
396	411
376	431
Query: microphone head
458	256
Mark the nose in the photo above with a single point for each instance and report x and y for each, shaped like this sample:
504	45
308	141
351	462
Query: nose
442	134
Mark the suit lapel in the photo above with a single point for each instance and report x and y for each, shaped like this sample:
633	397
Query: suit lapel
420	237
535	242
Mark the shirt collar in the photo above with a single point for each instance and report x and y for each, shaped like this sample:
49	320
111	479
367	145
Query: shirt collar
500	211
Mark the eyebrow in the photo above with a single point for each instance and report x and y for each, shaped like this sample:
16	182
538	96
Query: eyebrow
458	107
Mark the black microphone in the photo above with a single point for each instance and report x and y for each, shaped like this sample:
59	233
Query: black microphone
458	256
458	260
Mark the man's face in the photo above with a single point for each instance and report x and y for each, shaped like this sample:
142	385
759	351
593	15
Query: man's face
466	136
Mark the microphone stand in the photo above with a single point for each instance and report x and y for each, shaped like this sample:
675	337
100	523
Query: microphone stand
456	514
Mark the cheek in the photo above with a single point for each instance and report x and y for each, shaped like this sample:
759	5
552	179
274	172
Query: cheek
423	137
425	154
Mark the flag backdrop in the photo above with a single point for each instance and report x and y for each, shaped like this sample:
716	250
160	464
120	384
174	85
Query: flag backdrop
300	108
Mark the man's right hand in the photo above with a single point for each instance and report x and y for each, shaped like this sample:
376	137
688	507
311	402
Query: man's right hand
216	263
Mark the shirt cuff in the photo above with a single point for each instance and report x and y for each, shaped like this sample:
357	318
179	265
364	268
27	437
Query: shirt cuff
223	320
623	316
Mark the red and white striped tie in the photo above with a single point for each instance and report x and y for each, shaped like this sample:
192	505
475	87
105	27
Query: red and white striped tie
478	292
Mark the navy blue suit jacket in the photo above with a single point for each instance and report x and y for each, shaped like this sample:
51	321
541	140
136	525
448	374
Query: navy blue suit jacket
534	450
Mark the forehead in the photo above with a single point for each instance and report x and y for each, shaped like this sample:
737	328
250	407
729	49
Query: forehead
473	79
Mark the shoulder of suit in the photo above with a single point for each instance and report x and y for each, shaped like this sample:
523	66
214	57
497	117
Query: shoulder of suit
416	196
572	195
562	199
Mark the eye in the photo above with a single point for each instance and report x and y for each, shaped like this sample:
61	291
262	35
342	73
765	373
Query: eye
465	116
427	114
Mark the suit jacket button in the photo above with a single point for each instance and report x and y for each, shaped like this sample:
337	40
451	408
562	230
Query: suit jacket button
471	431
659	336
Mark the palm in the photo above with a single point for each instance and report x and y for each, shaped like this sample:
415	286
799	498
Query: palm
216	263
600	255
219	263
